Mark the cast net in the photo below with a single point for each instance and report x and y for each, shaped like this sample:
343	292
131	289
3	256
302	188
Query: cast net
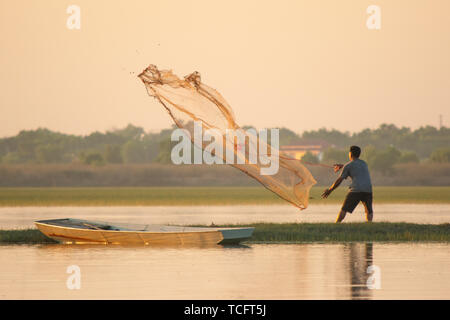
190	102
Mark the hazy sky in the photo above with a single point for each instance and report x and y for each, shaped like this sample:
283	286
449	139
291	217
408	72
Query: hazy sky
298	64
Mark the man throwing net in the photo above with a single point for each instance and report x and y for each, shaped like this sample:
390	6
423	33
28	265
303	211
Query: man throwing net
360	188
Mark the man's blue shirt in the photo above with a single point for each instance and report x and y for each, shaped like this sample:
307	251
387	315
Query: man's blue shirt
359	172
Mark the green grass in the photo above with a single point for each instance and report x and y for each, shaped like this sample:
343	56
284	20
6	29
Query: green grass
300	232
347	232
26	236
158	196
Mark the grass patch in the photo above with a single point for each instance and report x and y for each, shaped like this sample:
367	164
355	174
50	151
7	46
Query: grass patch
347	232
180	196
26	236
301	232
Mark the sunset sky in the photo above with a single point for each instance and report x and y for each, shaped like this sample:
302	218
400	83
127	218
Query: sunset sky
296	64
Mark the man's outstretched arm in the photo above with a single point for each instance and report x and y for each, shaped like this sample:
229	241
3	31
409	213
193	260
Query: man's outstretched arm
336	184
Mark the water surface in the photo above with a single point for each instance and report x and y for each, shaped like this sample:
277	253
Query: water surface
253	271
256	271
23	217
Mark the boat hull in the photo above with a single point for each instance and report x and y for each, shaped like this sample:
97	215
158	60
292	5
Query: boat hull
171	235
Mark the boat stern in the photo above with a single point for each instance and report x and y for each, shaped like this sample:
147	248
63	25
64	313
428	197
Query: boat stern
236	235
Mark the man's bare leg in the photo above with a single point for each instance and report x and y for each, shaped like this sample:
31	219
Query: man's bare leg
341	216
369	216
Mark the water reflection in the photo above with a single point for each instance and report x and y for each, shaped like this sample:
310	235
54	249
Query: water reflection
254	271
360	257
60	247
339	271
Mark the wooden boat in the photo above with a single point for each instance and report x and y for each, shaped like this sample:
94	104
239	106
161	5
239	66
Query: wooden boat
84	231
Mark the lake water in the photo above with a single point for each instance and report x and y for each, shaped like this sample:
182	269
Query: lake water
23	217
253	271
256	271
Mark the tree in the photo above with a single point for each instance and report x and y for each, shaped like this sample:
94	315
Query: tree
408	157
12	158
368	154
384	161
309	157
94	158
45	146
130	132
165	150
151	146
286	136
441	155
113	154
49	153
134	152
332	136
335	155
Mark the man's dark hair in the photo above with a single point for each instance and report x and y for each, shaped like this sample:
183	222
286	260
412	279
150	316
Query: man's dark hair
356	151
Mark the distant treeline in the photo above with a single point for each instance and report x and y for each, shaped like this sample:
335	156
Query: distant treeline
142	175
383	147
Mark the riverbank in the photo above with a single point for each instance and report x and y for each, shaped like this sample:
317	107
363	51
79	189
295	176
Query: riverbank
182	196
299	232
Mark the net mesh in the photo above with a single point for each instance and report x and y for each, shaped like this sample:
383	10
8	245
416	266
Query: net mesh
189	100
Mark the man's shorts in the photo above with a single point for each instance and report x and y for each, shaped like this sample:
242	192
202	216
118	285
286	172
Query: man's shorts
353	198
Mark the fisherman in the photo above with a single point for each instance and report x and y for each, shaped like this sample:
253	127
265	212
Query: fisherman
360	188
